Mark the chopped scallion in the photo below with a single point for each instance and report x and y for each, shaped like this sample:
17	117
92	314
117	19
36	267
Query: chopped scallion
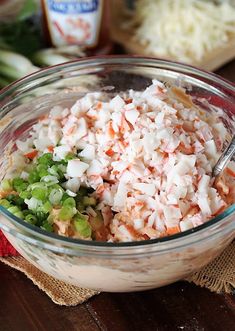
25	195
6	185
82	226
40	193
13	209
55	196
66	213
89	201
69	202
5	203
47	226
19	214
33	177
19	184
42	170
46	159
31	219
47	207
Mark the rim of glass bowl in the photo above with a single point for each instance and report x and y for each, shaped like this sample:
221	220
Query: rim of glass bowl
115	60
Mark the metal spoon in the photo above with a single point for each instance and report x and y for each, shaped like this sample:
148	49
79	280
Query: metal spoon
224	158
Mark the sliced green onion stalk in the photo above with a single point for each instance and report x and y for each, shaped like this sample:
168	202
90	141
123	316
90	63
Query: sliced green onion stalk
33	203
70	156
55	196
64	197
15	199
72	50
19	184
5	203
47	226
14	65
17	61
69	202
41	216
53	56
19	214
40	193
31	219
89	201
46	159
66	213
47	57
42	170
6	185
46	207
13	209
33	177
25	195
82	225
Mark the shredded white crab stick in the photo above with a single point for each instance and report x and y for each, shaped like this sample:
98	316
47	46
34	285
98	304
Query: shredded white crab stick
148	156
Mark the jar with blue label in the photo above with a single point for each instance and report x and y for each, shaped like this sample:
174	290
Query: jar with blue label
78	22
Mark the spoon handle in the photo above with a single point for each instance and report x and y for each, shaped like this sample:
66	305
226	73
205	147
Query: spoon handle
224	158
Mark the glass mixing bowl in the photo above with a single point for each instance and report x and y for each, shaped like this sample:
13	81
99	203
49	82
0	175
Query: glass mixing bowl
131	266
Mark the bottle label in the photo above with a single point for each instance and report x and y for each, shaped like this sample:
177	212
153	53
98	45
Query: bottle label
74	22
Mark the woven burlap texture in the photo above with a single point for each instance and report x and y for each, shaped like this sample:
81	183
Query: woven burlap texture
218	276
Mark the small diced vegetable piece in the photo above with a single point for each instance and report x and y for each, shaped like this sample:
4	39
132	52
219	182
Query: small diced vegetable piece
82	226
31	219
33	177
19	184
47	207
66	213
19	214
55	196
89	201
42	170
5	203
13	209
31	155
25	195
39	193
70	156
15	199
41	216
46	159
56	171
47	226
69	202
6	185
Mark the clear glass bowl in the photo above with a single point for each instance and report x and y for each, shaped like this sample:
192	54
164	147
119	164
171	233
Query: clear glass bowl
106	266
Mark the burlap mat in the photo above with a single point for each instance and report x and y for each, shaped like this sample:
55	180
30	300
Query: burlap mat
218	276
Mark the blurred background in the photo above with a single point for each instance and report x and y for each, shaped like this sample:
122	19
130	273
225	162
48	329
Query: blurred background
40	33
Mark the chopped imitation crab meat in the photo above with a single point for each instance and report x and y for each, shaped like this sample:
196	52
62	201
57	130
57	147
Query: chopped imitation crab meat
76	168
147	155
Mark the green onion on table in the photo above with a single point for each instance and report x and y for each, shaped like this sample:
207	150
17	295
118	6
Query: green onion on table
22	47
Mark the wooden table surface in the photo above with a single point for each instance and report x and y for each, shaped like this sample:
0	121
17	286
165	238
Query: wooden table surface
180	306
